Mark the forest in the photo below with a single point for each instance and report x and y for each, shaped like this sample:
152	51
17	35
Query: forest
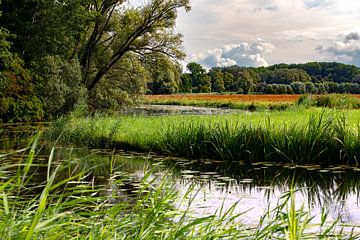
312	78
56	56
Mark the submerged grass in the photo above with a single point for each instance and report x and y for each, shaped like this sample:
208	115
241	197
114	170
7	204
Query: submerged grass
306	136
65	204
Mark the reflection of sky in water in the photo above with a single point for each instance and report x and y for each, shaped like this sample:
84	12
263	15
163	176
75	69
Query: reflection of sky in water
255	190
254	203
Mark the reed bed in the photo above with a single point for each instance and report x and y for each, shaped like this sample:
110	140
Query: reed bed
309	136
62	202
257	102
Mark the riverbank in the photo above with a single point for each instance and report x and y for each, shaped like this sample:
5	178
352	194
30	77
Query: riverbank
297	136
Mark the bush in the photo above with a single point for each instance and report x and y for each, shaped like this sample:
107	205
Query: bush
61	86
18	101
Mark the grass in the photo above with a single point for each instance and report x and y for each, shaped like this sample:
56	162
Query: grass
251	106
65	204
297	136
257	102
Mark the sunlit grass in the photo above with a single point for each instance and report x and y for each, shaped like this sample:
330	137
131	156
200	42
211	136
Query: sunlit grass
302	136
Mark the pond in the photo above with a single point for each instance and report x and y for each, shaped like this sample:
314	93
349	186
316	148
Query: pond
215	184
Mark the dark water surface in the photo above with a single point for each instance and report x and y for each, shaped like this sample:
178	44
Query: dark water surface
216	184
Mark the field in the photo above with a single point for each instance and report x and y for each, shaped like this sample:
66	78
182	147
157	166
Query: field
255	102
301	136
266	98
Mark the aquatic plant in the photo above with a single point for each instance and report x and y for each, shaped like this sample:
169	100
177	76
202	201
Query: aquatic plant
64	203
292	136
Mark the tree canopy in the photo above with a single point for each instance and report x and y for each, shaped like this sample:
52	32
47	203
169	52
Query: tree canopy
103	40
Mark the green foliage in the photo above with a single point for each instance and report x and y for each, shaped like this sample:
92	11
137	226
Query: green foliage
217	80
123	86
165	75
58	26
119	30
201	82
73	44
285	76
186	83
313	78
18	101
59	80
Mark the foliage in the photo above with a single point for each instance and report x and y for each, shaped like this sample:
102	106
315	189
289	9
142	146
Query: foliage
58	81
186	83
74	46
123	86
312	78
118	30
164	74
201	82
17	93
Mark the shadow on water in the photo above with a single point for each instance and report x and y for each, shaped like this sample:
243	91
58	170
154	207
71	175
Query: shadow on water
121	172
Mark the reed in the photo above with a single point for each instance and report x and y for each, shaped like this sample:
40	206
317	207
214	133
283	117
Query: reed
313	136
65	204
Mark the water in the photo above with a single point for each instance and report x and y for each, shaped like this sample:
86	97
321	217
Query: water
254	188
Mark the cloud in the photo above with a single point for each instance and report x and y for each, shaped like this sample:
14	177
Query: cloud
243	54
345	48
296	27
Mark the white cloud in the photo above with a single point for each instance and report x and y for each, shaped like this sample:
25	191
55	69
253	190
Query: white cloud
300	24
345	48
243	54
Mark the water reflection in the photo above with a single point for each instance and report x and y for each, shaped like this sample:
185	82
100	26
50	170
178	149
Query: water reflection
215	183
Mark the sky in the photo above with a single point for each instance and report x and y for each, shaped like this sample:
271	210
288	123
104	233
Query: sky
266	32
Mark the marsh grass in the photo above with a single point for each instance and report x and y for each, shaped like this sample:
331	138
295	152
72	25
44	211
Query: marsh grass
320	136
337	101
251	106
66	204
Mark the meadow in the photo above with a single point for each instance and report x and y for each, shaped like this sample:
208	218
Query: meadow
256	101
302	135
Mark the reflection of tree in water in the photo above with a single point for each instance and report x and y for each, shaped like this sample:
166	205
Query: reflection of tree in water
325	186
121	173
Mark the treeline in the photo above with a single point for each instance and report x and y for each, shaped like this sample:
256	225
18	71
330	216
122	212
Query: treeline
56	55
314	77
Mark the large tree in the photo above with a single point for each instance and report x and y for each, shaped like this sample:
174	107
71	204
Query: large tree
118	29
97	32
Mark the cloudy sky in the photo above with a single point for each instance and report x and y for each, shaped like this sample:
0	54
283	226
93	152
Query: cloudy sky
265	32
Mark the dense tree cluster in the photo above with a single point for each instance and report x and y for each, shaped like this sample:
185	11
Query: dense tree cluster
314	77
55	54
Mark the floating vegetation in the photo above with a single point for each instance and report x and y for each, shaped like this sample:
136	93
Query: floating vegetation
57	198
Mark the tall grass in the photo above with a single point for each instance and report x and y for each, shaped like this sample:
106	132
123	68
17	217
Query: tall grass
318	137
338	101
65	204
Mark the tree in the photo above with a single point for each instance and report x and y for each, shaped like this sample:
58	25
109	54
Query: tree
18	100
246	82
59	26
99	33
123	85
117	31
228	81
164	74
201	82
186	83
217	80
